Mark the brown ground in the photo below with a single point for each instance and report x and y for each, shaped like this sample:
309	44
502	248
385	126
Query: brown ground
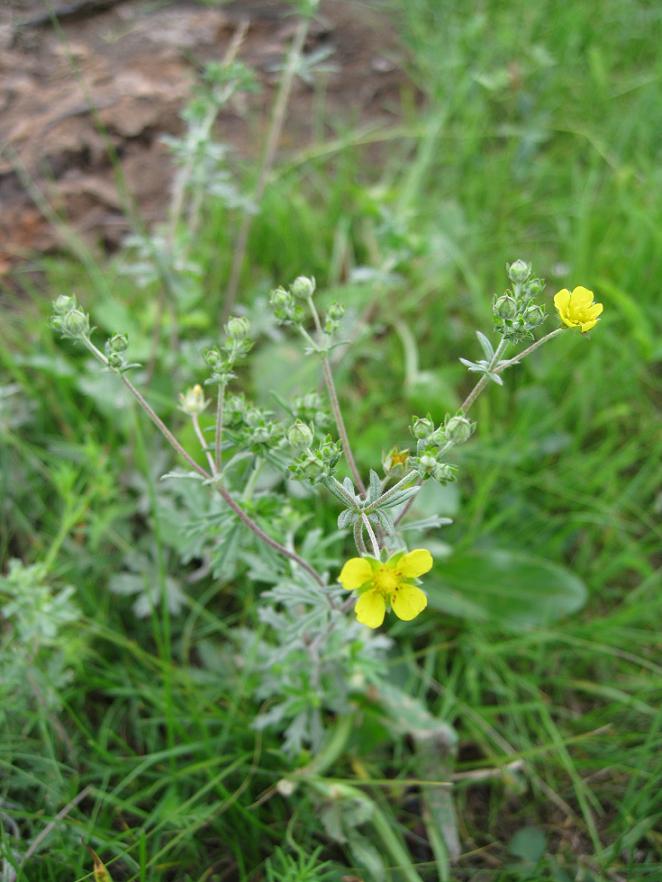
116	72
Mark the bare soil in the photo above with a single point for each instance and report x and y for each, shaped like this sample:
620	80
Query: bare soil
109	77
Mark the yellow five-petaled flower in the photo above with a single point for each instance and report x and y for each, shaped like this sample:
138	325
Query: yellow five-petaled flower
381	584
578	308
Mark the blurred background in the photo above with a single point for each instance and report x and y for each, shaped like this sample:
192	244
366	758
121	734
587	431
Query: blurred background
401	153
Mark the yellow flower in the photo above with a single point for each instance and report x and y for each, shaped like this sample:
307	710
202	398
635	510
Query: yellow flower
578	309
389	583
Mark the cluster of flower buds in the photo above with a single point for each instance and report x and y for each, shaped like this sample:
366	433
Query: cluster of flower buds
69	319
433	441
262	432
334	314
287	305
313	464
115	348
516	314
237	344
286	309
310	409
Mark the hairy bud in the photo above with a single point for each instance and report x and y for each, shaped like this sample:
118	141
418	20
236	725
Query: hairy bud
237	327
519	271
303	287
300	435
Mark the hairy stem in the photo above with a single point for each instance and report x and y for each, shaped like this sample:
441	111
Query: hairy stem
335	405
218	432
484	380
203	443
529	349
371	535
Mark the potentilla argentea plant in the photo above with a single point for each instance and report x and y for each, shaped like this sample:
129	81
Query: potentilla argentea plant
318	648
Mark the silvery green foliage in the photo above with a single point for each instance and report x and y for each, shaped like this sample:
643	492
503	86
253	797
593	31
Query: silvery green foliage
308	660
38	642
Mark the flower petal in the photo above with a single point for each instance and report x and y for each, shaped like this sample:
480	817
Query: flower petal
586	326
408	601
356	572
415	563
562	300
370	609
594	311
581	298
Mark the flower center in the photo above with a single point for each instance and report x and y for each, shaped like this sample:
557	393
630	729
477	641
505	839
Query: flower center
385	580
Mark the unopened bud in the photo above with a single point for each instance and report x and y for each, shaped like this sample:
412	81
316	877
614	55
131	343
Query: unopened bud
519	271
237	327
443	472
64	304
505	307
534	315
300	435
115	360
76	323
303	287
117	343
458	429
422	427
212	357
534	287
336	312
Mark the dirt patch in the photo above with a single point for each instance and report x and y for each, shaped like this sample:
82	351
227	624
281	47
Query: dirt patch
109	77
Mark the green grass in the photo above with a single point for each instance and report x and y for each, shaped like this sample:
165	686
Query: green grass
538	139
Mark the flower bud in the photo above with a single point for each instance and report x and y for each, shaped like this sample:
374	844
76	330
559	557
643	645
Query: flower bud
237	327
280	298
534	287
117	343
115	360
212	357
505	307
534	315
193	400
64	304
76	323
519	271
428	462
336	312
458	429
300	435
303	287
443	472
422	427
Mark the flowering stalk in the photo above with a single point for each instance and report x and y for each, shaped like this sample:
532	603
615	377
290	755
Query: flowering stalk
218	431
529	349
480	385
195	419
223	492
335	404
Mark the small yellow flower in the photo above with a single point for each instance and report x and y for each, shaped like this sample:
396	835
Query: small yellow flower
381	584
578	309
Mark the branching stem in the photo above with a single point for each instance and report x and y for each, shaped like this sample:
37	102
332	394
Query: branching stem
224	493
